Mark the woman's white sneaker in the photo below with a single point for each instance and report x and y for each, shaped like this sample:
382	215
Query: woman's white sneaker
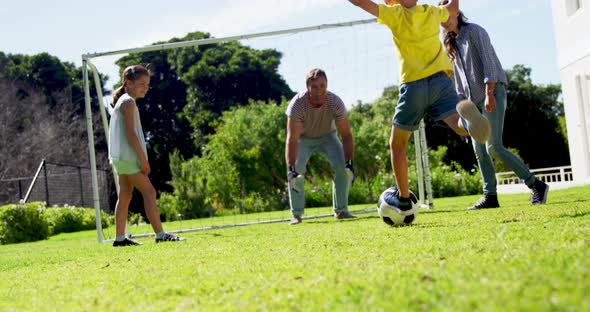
478	125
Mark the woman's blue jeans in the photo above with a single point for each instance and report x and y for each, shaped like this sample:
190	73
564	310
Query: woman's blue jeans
495	147
330	147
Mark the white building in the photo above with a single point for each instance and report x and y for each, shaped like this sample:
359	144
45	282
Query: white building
572	33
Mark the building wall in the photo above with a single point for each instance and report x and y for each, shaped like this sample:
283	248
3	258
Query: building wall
572	35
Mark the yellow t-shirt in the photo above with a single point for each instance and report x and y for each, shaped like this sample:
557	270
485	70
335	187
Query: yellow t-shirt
416	34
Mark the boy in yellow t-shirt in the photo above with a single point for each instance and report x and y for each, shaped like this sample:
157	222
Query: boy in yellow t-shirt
425	86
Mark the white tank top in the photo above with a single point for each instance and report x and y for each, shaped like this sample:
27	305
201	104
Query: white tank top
119	147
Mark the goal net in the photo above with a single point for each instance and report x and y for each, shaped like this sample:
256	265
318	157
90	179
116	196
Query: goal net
358	58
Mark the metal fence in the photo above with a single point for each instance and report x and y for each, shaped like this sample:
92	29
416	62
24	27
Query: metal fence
59	184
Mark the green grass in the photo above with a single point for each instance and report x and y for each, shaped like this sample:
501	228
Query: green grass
518	257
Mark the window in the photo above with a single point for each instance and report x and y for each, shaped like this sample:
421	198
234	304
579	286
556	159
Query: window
572	6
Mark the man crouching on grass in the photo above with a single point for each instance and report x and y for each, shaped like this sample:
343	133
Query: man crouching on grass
315	118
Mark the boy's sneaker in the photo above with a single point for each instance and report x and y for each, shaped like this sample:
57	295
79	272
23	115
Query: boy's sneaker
295	220
339	215
539	192
167	237
478	126
487	201
394	199
126	242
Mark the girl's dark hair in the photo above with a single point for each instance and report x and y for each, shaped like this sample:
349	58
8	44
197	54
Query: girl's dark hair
131	73
450	39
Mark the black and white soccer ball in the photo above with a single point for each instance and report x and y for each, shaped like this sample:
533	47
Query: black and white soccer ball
394	214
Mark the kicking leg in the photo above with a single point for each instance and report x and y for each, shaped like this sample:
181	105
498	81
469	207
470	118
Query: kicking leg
454	122
478	126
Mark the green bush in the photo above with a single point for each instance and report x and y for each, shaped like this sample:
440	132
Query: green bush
380	183
169	208
23	223
254	203
191	199
70	219
318	193
34	221
360	193
449	181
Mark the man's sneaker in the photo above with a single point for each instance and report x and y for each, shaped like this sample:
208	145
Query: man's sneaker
339	215
126	242
295	220
169	238
487	201
539	192
478	126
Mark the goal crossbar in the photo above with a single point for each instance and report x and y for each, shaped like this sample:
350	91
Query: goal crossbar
198	42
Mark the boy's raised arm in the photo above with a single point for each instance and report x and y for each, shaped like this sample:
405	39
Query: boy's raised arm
368	6
452	6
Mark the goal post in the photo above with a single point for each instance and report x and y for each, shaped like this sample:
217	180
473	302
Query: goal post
423	168
91	150
87	66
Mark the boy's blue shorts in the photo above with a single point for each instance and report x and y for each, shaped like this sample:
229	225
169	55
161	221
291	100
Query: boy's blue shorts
434	95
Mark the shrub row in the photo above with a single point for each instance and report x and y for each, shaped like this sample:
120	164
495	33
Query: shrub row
34	221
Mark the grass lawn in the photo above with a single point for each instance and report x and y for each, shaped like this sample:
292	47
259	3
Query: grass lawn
518	257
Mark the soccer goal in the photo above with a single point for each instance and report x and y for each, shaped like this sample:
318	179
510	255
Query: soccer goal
358	57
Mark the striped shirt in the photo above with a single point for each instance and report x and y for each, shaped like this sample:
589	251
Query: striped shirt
317	122
476	63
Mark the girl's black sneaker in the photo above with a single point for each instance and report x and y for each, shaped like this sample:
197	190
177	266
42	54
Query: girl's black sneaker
169	238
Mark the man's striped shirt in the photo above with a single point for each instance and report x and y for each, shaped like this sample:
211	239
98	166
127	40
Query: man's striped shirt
317	122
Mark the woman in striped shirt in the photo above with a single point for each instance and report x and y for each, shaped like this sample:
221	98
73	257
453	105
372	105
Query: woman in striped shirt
480	78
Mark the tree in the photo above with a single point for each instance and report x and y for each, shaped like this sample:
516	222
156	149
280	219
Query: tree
244	160
371	126
30	131
191	87
532	120
229	75
46	73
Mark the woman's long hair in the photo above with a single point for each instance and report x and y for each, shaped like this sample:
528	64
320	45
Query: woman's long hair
131	73
450	38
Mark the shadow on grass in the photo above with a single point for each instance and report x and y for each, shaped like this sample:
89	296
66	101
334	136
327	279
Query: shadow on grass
511	221
578	214
432	225
433	211
358	218
561	202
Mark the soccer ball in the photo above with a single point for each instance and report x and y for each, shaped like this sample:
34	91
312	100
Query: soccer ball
387	207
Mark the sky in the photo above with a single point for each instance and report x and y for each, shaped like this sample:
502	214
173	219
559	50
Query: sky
359	61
